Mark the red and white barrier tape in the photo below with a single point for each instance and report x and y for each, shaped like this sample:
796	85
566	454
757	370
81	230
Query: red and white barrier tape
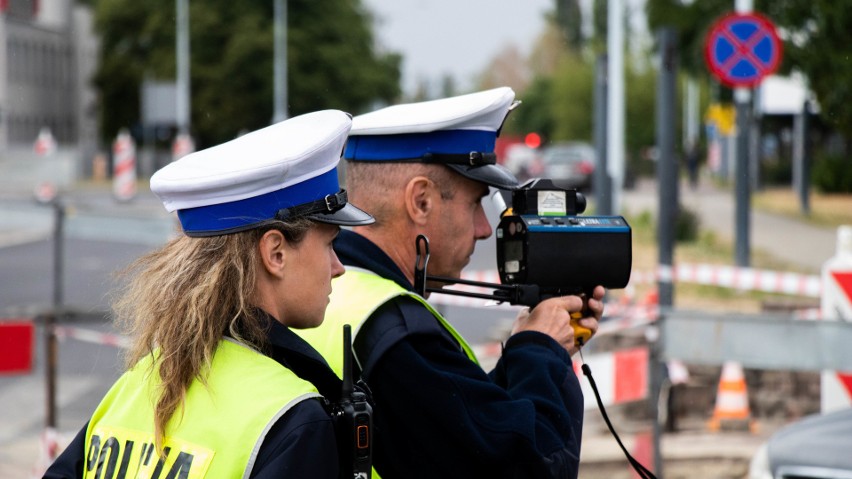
89	336
743	279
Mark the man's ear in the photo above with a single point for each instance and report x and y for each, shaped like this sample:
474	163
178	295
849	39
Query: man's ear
273	252
419	199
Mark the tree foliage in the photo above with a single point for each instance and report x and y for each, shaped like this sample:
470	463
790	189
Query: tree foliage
332	62
569	21
692	20
572	99
816	37
818	43
559	105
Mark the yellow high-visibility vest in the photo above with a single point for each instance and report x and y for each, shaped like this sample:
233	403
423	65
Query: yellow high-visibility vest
216	434
355	296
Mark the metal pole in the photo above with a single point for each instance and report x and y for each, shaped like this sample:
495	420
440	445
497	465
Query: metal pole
51	318
801	173
182	55
691	118
667	179
742	182
657	376
602	179
754	151
741	179
667	165
280	62
58	252
615	101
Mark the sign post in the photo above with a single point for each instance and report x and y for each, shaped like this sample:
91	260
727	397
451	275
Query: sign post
741	50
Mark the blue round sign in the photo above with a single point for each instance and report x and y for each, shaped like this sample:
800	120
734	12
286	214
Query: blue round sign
742	49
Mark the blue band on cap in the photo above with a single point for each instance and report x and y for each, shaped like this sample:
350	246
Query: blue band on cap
415	145
241	213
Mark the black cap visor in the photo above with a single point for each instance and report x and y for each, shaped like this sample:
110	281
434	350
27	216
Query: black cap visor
333	209
349	215
492	175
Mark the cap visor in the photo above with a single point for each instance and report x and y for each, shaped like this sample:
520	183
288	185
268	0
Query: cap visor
492	175
349	215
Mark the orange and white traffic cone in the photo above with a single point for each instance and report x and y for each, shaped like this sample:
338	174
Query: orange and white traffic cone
732	410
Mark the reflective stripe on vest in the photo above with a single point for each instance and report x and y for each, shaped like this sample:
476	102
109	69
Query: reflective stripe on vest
217	432
355	296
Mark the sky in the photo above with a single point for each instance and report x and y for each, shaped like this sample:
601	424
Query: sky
455	37
460	37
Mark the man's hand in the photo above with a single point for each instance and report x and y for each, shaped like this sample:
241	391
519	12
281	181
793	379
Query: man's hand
553	317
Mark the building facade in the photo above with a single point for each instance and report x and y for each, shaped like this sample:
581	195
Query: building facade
48	55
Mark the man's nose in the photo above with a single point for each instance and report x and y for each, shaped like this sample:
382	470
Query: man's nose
482	228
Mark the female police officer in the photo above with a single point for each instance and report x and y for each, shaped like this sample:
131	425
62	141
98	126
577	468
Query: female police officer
217	384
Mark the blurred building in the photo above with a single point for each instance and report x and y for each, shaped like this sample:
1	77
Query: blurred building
48	55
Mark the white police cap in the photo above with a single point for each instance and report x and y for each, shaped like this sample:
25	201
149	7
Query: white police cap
280	172
459	132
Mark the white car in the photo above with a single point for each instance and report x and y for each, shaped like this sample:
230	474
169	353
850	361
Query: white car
816	447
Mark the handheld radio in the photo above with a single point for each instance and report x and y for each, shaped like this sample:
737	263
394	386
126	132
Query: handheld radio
353	419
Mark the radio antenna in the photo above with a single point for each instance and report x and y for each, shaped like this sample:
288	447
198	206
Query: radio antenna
347	361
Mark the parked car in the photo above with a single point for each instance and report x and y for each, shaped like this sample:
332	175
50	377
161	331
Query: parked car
569	164
815	447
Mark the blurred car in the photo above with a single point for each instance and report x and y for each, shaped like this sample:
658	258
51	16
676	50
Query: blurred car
523	161
569	164
816	447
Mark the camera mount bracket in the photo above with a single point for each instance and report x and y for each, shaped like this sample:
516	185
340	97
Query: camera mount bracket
517	294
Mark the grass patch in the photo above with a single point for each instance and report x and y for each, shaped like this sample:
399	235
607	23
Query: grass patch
830	210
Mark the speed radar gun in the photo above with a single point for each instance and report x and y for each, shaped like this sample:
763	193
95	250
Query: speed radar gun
542	240
546	248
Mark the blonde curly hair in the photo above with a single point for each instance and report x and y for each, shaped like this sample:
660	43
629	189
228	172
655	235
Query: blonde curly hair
181	299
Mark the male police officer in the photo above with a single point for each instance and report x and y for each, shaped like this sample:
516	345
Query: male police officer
423	169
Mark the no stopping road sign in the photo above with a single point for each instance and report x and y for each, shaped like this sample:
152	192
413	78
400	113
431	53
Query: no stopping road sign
742	49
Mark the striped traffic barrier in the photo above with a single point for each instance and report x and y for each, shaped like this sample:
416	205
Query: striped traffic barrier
124	167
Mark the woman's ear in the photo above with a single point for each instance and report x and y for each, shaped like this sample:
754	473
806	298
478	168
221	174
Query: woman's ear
419	199
273	254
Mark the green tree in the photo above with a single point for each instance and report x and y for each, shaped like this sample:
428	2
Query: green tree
568	19
572	99
559	102
534	114
692	20
816	36
331	61
818	43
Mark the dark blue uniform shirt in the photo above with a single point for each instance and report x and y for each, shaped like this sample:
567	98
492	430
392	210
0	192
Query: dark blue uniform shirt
301	443
437	414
